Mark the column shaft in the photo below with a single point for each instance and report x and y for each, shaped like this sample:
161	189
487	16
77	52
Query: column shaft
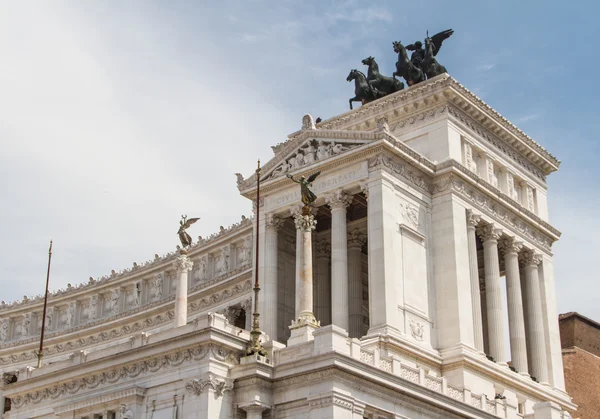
304	284
493	293
472	221
270	312
339	259
535	321
323	285
516	320
182	266
356	240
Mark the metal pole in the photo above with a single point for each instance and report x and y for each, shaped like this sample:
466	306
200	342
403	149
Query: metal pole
40	353
255	344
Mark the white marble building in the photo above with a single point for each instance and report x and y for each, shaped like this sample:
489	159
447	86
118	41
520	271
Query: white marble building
428	201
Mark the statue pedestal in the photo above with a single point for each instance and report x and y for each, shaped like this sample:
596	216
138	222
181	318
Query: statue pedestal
306	322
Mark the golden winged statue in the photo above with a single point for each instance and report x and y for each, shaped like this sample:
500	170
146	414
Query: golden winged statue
308	197
184	224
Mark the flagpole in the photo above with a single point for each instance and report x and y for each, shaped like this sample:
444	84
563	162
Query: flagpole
40	353
255	346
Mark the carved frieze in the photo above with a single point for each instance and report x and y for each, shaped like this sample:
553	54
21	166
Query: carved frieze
3	330
123	372
400	168
310	152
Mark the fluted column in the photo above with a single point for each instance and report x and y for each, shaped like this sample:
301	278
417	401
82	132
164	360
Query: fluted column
535	320
472	221
183	265
269	308
305	224
322	283
356	241
493	292
338	202
516	320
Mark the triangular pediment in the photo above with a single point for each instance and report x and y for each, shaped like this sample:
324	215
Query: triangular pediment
312	147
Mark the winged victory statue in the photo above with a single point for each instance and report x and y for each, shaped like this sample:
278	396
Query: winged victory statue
184	224
308	196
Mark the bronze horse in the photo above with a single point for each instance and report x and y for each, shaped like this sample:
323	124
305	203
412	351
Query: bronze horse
405	67
380	82
362	89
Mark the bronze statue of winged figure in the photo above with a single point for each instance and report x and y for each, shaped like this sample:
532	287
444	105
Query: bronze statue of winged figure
184	224
308	197
418	55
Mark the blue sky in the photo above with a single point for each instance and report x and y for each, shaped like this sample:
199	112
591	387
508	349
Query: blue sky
116	117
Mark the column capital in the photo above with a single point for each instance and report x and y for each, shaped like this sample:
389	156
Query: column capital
530	258
273	222
510	245
364	188
356	239
489	232
182	263
338	199
305	223
473	219
323	249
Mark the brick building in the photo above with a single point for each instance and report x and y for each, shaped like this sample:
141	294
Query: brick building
580	340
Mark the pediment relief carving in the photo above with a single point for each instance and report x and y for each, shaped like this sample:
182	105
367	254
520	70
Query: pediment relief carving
312	151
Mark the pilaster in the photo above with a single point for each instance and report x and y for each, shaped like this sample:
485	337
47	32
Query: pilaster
472	222
322	282
382	231
356	241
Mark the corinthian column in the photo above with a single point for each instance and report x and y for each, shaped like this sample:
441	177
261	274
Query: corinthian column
356	241
182	265
305	224
323	285
493	293
535	319
338	202
269	308
472	221
516	320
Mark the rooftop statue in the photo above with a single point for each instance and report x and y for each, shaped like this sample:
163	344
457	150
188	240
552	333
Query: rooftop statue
184	224
363	90
308	197
378	81
405	67
419	54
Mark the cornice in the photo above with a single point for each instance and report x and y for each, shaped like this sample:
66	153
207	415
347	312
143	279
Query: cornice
495	204
157	317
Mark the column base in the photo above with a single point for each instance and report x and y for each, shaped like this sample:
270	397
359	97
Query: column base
305	318
301	333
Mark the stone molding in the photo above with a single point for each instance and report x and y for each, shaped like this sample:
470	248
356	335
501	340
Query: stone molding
148	322
218	384
137	392
123	372
400	168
